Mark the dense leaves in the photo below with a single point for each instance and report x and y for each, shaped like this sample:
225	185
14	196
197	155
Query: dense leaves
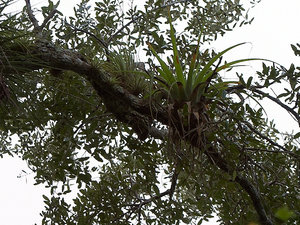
83	102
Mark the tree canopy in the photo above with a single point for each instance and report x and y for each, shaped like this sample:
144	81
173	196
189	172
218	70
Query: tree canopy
120	103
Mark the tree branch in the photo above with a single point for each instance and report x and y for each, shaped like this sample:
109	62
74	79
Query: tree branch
277	101
127	107
134	19
32	17
263	136
48	18
130	109
37	28
98	39
272	151
218	160
256	199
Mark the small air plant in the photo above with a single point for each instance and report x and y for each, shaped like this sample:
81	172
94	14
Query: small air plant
126	72
195	84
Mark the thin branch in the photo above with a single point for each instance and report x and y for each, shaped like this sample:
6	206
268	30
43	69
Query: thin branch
265	137
277	101
49	17
173	182
98	39
213	74
34	21
138	206
271	151
134	19
32	17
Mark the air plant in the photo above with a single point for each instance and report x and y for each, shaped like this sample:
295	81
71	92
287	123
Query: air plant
124	71
191	86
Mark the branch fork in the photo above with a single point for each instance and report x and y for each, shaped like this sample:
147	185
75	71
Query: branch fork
38	28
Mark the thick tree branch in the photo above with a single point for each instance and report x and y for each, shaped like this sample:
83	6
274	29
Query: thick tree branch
256	199
126	107
218	160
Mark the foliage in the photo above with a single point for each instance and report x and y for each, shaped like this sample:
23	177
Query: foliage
87	117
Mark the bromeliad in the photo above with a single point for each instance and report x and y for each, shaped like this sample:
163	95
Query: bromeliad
191	86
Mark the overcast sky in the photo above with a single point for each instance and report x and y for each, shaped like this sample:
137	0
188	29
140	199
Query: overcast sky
275	27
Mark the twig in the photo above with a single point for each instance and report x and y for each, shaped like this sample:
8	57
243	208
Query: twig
100	40
134	19
265	137
173	183
32	17
34	21
277	101
138	206
272	151
212	75
46	20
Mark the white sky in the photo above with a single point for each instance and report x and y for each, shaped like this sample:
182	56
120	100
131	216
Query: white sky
275	27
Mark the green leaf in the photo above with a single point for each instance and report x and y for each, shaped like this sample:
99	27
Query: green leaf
166	73
202	76
178	68
181	92
234	175
284	213
297	135
249	82
230	64
222	85
192	70
197	92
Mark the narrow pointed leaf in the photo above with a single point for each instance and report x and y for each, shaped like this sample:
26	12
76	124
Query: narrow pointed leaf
162	74
167	75
222	85
201	76
191	74
197	93
178	68
181	92
230	64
